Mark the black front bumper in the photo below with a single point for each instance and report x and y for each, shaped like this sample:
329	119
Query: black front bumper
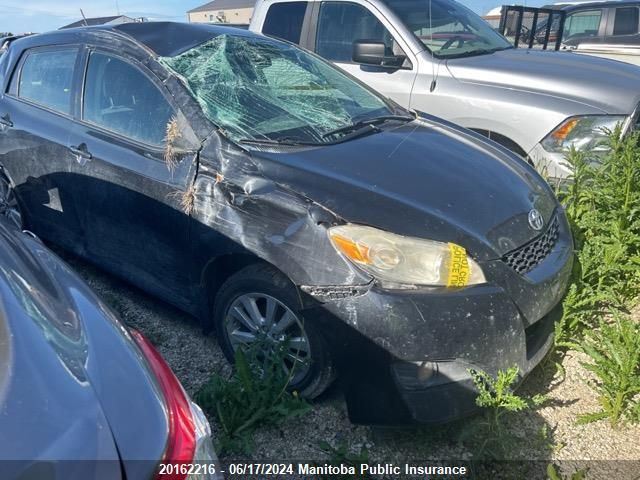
453	396
490	327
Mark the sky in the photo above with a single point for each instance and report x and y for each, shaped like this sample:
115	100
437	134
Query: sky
19	16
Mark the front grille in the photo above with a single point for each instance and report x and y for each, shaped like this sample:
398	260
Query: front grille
525	258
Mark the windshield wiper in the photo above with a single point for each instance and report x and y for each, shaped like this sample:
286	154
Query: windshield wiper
357	129
273	141
473	53
367	125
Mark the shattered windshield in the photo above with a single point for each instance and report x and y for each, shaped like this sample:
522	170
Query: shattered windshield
447	28
265	90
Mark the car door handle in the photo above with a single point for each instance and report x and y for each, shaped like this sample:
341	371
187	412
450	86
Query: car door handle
81	152
5	121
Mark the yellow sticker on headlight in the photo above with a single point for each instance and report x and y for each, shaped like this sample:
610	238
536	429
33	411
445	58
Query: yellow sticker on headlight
458	266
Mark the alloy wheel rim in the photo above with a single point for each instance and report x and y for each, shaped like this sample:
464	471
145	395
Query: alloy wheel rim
9	207
258	317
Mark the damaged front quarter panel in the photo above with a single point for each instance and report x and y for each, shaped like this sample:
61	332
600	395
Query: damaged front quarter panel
233	197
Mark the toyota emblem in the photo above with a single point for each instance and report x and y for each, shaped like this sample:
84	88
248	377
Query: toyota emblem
535	220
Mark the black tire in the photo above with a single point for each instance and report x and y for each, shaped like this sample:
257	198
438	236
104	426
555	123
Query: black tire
262	279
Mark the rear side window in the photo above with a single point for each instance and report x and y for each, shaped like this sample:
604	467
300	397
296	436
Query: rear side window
122	99
626	21
46	78
284	20
341	23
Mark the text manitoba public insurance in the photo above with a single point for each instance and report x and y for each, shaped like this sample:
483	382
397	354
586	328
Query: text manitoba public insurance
380	469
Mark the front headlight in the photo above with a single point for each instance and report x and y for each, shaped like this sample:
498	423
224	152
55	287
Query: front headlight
405	261
587	133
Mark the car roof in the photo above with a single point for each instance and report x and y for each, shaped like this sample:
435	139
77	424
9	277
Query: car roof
169	39
165	39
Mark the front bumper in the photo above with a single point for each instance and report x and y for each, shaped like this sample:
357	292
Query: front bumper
449	392
552	166
504	323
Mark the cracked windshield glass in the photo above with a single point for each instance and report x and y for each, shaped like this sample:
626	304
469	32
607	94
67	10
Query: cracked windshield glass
262	90
447	28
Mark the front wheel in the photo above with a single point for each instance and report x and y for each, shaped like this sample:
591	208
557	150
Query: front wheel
259	306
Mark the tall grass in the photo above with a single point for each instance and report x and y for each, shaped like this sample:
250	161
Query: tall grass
602	202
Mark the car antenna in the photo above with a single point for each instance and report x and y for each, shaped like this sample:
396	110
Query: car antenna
84	19
433	68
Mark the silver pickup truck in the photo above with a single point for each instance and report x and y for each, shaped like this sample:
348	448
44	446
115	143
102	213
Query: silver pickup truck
439	57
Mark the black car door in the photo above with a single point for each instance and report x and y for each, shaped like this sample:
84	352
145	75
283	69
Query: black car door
133	181
35	124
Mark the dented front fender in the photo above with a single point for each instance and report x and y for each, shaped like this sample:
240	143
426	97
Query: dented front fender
232	197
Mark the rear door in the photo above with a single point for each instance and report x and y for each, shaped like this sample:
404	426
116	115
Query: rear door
624	25
287	21
35	121
135	181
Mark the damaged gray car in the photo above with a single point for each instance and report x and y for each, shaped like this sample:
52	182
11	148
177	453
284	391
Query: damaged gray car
252	184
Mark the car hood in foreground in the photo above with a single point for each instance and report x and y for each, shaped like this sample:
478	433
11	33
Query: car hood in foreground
428	179
68	366
47	413
610	86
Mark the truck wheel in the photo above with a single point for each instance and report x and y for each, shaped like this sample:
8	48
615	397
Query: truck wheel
259	304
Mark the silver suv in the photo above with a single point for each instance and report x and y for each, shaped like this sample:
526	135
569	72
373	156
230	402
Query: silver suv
439	57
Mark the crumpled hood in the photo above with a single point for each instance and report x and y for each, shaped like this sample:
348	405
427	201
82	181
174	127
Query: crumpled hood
428	179
608	85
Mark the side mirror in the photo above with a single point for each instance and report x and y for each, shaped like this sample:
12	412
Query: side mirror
370	52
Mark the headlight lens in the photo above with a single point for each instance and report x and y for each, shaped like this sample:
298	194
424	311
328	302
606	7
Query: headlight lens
587	133
406	261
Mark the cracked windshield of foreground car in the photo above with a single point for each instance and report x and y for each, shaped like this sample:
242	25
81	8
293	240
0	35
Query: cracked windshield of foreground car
263	89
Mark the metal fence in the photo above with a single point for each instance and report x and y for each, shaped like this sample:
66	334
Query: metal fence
531	27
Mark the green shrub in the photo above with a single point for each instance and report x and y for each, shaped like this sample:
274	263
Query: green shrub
344	454
256	395
614	351
602	202
488	436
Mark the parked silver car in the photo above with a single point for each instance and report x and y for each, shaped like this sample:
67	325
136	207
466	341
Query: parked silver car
81	396
439	57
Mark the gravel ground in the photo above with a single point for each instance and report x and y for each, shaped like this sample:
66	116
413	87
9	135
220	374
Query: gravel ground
550	434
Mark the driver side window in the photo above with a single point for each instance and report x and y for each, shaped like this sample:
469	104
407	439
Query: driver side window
120	98
341	23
